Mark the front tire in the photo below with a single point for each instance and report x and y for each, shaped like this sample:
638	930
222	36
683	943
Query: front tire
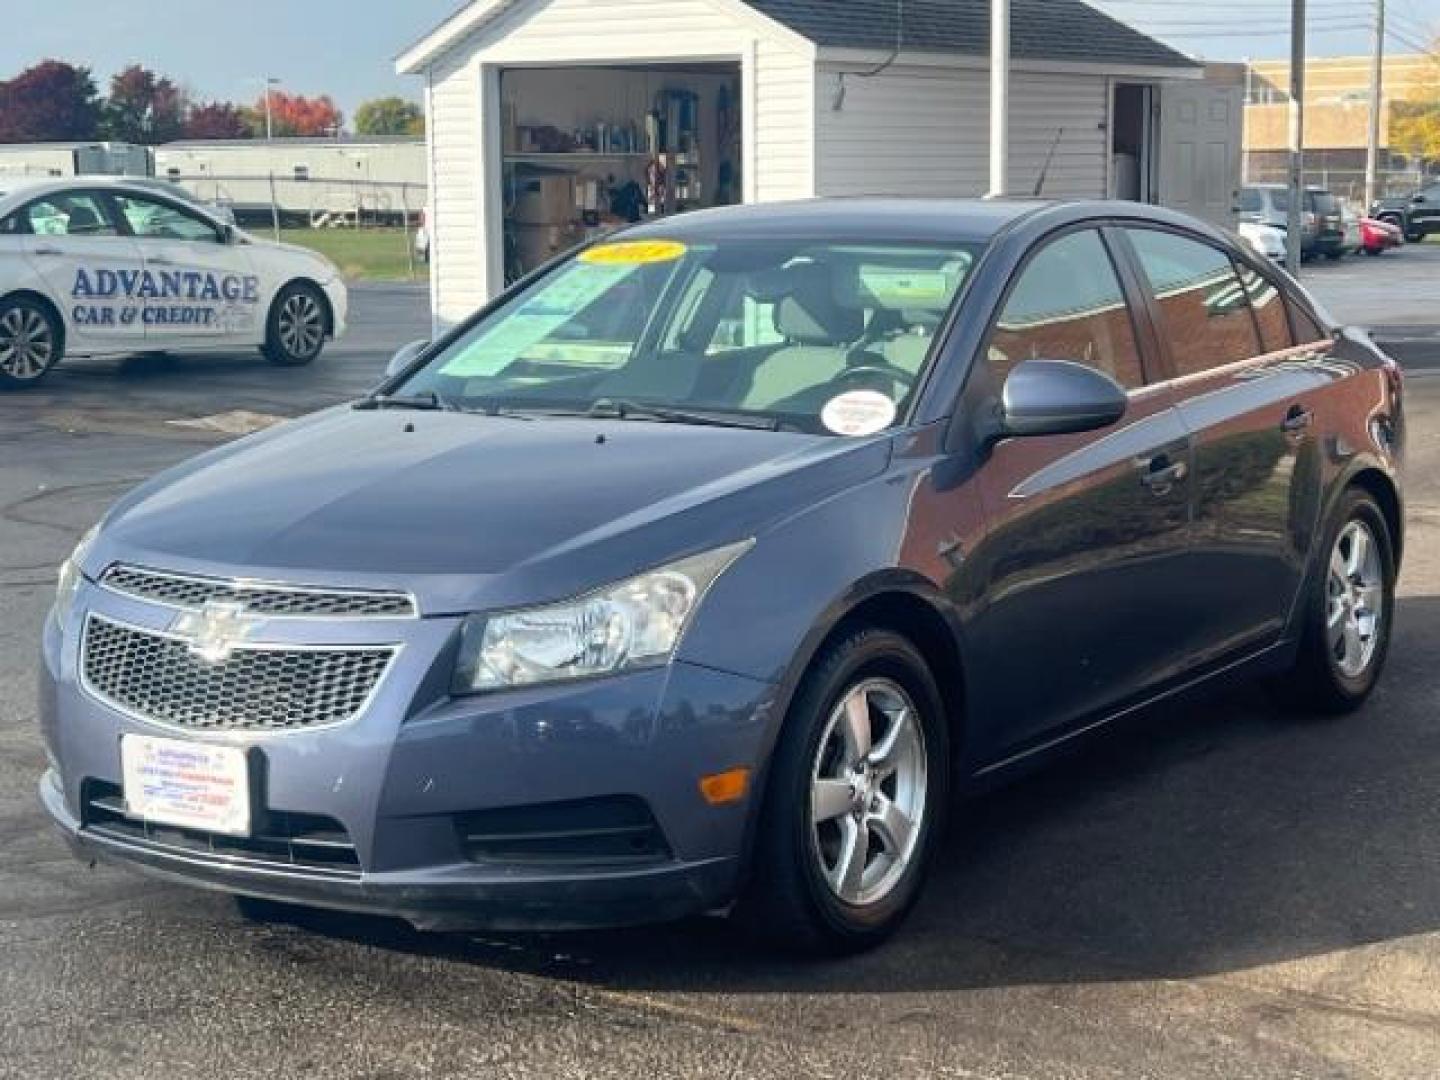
32	341
855	803
1348	614
298	325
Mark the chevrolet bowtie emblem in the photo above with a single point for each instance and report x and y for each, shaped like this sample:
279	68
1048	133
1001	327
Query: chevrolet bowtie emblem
213	632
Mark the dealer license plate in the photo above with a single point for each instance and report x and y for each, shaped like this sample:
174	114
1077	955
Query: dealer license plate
186	784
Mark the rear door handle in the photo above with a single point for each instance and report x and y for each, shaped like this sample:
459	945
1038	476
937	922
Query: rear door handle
1297	420
48	251
160	260
1160	474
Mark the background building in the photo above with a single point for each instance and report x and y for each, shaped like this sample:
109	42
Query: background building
1337	121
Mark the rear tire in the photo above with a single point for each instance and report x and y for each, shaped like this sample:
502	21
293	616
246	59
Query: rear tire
861	772
298	325
1349	613
32	342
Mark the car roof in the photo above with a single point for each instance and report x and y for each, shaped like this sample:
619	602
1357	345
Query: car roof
880	220
25	188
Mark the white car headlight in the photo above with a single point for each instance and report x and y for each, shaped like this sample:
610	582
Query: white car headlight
70	578
637	623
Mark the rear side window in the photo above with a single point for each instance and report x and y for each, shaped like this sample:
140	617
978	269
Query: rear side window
1307	330
74	213
1204	310
1068	305
1251	201
1269	307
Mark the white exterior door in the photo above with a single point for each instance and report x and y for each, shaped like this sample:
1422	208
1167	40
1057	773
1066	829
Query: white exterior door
1200	137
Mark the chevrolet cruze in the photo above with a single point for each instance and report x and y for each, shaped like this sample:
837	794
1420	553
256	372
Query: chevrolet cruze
701	570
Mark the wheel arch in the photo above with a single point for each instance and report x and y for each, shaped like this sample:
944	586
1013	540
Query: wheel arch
907	604
320	292
1381	487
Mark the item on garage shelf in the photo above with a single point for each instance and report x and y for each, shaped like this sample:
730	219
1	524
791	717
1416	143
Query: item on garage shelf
536	245
543	197
657	187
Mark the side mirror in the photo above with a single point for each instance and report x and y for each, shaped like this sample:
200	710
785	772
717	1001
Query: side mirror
1418	199
404	358
1059	397
227	233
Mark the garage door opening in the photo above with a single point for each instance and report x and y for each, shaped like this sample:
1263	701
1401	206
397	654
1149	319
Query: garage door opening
589	149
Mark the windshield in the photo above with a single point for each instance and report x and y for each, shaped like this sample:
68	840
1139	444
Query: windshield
794	333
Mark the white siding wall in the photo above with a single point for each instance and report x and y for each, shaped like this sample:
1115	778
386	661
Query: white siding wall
459	264
925	131
784	124
530	32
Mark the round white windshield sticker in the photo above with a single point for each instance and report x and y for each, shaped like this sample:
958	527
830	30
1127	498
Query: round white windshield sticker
858	412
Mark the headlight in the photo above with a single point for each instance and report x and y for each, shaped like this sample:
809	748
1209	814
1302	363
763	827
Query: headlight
635	624
68	585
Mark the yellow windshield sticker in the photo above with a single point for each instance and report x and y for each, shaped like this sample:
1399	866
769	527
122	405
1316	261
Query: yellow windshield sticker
634	253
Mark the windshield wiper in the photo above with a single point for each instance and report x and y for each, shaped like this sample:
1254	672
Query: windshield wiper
613	409
429	401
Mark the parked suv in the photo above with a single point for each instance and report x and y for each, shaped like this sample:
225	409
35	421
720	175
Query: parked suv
1322	226
1417	214
584	621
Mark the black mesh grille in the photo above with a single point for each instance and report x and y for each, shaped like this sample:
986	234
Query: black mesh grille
305	841
258	599
613	831
156	677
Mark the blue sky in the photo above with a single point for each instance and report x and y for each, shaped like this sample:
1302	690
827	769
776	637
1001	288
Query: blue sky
221	49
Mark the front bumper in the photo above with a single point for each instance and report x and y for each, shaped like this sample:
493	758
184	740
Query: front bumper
404	777
441	898
339	297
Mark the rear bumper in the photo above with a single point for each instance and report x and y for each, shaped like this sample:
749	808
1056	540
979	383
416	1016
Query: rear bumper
444	899
339	298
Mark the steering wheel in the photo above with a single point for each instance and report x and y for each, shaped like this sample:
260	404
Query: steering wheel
879	371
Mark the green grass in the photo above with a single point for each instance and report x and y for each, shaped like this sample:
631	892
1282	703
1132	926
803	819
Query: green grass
361	254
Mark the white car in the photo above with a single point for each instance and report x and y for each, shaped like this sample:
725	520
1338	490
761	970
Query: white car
1264	239
93	266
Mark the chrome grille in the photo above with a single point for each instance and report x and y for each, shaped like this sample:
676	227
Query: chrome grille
155	677
259	598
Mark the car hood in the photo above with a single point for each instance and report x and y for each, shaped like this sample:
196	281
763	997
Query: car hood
472	512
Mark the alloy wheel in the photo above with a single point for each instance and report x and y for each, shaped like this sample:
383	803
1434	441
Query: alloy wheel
301	325
868	792
1355	599
27	343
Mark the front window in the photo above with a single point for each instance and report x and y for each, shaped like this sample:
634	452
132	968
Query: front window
791	333
150	219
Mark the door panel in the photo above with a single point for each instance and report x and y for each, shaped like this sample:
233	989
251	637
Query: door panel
1247	398
199	289
1200	129
1085	532
88	268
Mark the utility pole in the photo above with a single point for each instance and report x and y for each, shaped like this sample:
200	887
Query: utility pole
1296	217
1377	103
269	123
999	97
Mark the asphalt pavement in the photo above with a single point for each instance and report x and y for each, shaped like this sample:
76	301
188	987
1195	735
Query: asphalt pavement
1218	891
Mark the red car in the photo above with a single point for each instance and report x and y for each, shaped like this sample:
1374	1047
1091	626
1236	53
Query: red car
1379	236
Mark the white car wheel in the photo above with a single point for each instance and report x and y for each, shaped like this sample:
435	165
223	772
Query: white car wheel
31	343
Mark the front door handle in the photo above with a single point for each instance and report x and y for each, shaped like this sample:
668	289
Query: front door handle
48	251
1297	420
1160	474
160	260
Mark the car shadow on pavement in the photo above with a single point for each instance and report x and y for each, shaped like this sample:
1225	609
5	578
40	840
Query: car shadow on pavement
1213	837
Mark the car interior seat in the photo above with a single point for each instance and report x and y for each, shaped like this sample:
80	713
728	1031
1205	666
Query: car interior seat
818	331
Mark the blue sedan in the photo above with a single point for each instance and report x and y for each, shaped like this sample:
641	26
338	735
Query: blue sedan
704	569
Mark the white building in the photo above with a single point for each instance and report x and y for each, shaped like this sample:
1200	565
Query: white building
536	107
48	159
309	177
